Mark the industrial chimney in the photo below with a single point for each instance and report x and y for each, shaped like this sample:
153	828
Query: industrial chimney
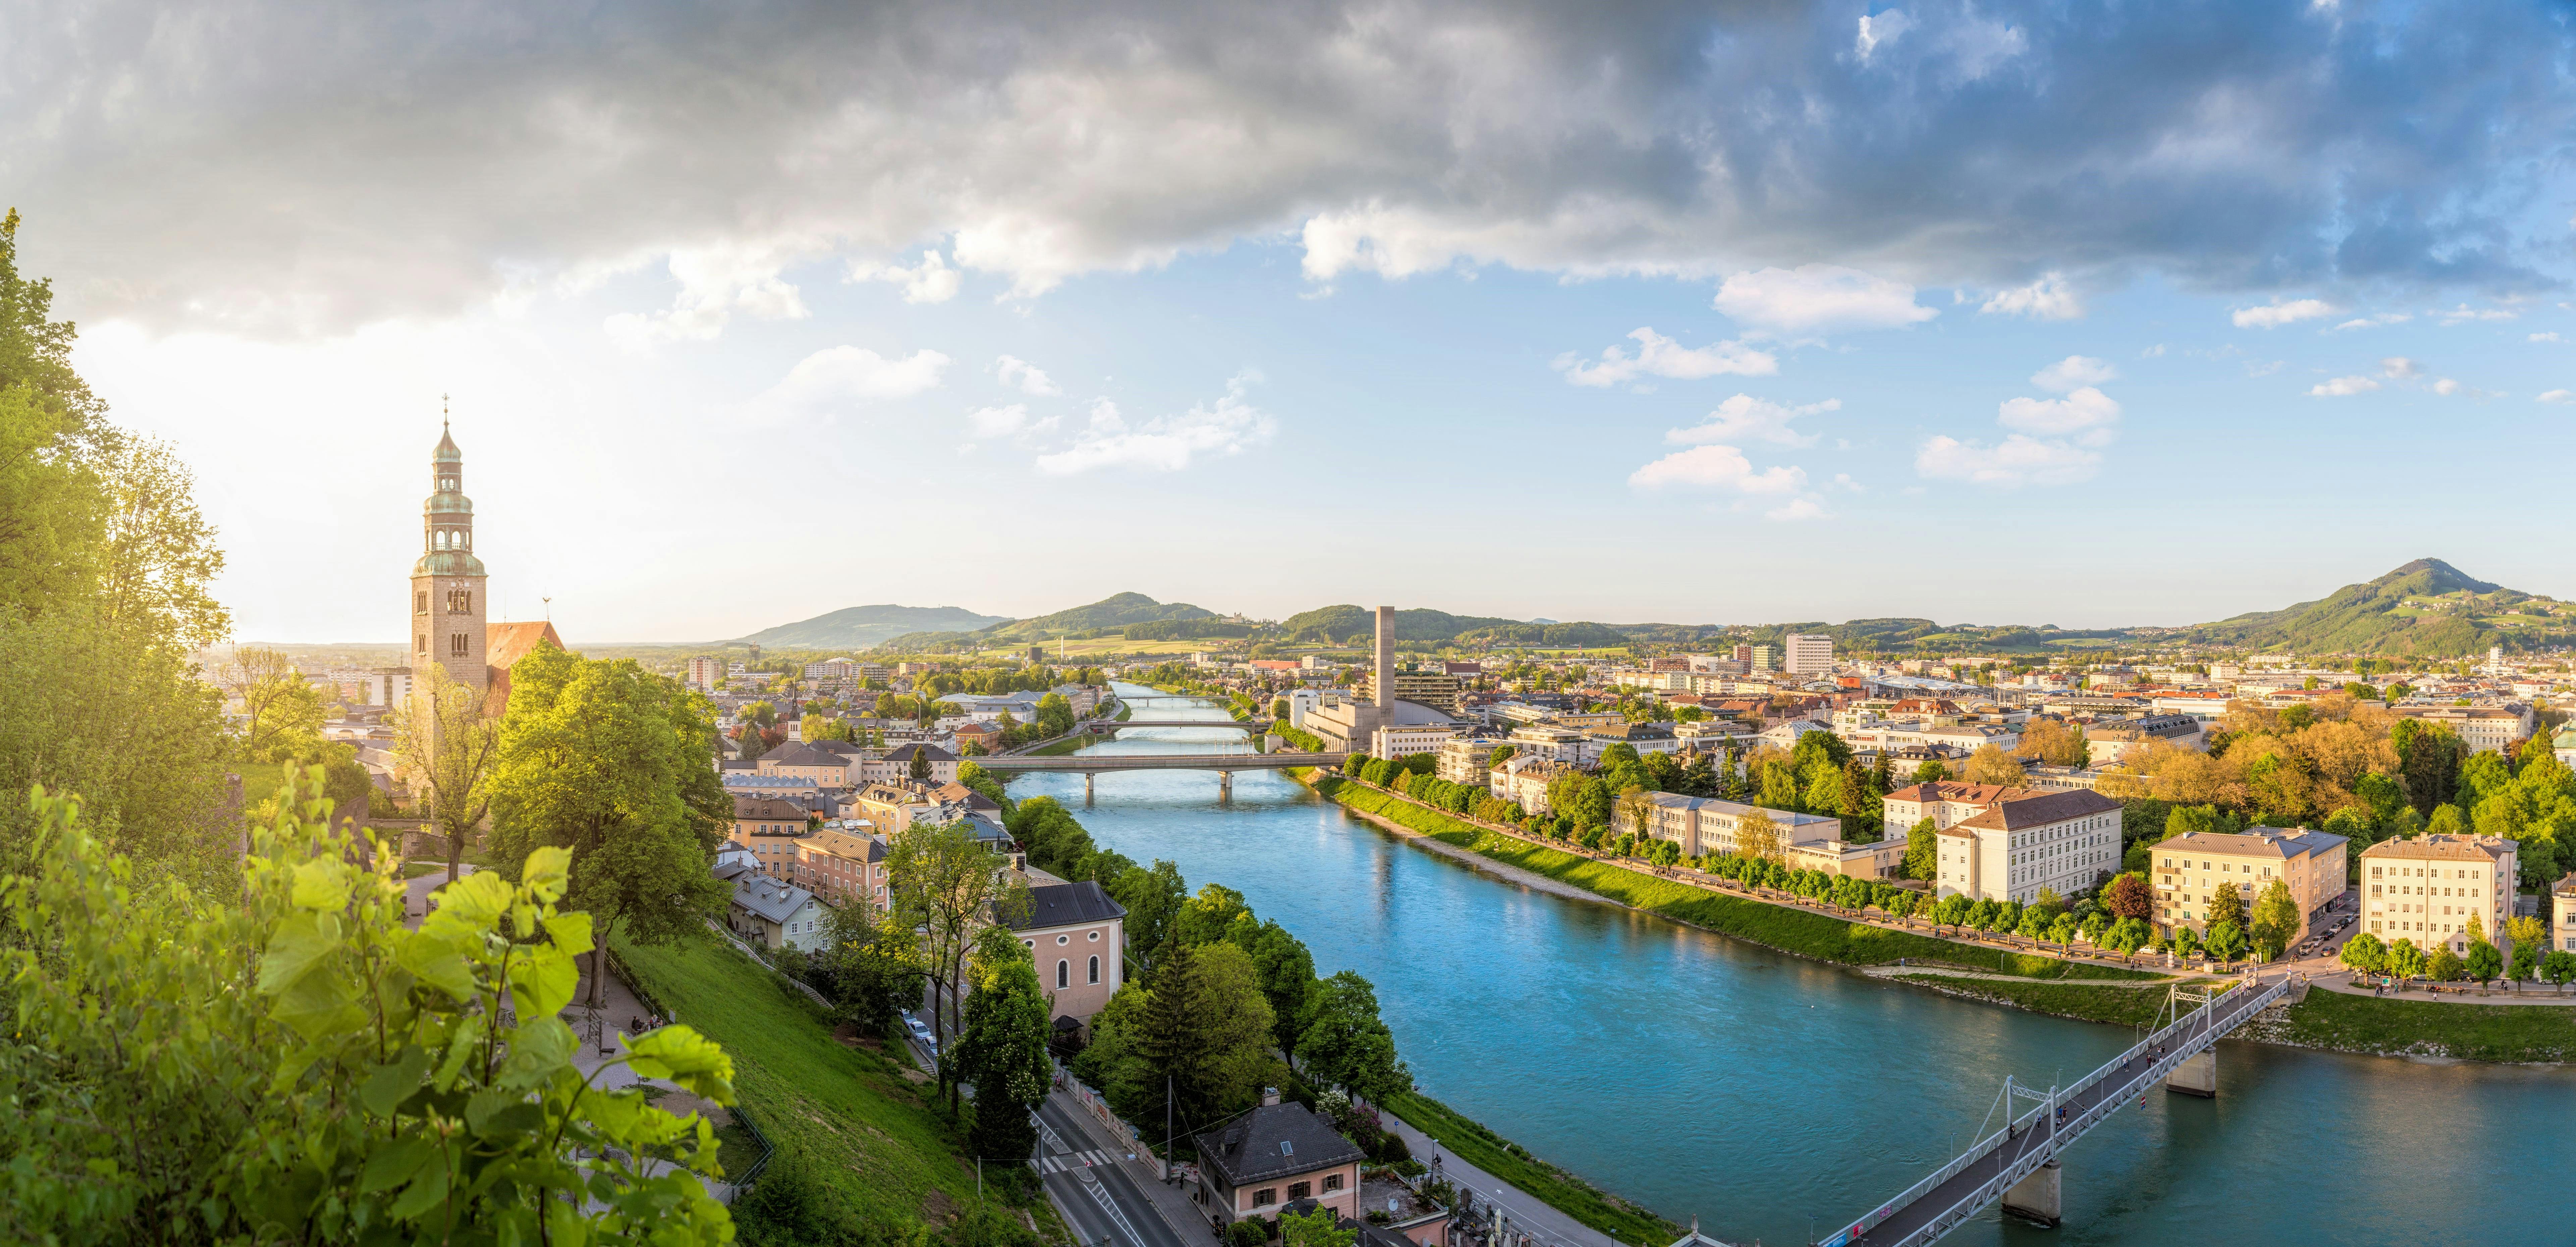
1386	659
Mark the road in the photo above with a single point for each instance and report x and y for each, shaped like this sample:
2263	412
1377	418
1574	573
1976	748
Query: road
1090	1186
1543	1223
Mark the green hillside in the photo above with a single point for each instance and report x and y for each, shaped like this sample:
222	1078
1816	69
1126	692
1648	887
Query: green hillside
1356	625
2425	609
859	627
1116	610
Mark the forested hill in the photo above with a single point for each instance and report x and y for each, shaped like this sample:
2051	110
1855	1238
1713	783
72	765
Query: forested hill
1357	625
859	627
2425	609
1109	614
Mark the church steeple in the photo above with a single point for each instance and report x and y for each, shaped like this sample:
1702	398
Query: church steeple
447	581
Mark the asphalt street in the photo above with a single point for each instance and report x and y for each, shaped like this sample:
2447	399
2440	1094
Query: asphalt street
1091	1188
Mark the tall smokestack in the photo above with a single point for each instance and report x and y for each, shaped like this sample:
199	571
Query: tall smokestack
1386	658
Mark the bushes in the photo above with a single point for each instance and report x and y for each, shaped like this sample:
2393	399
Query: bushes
1252	1231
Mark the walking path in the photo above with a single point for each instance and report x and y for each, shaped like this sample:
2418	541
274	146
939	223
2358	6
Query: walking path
1528	1215
1883	972
2462	994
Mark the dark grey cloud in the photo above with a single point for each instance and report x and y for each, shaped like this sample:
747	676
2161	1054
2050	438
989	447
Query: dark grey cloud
298	168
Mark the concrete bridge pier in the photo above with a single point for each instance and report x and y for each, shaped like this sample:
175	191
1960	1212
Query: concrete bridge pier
2196	1075
1087	777
2038	1197
1225	785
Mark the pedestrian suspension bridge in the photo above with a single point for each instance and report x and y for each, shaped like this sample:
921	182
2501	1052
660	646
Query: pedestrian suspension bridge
2018	1164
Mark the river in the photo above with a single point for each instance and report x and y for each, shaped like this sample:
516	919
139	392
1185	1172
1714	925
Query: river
1773	1097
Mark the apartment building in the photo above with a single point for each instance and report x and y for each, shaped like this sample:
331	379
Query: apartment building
1525	780
1403	740
2190	868
2486	729
1437	690
1705	825
1807	653
1468	759
2426	888
1943	801
2113	739
2564	934
2060	841
842	866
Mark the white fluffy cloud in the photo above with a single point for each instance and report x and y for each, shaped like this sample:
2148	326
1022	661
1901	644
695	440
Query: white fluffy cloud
2555	396
1167	443
2049	298
1878	30
2017	460
1718	467
1024	376
2086	413
930	281
1745	418
844	376
2464	314
2373	322
1818	298
1659	356
2342	387
1797	509
1009	421
2551	336
2276	314
715	282
2400	368
2074	372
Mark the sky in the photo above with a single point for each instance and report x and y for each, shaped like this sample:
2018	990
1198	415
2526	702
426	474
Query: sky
2085	314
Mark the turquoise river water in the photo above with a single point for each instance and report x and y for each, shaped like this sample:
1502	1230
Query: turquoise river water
1773	1097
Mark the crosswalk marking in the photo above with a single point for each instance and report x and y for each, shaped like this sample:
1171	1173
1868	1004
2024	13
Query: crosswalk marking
1075	1160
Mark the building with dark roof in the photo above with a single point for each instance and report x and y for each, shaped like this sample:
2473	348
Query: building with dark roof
2061	840
1276	1155
777	914
1076	933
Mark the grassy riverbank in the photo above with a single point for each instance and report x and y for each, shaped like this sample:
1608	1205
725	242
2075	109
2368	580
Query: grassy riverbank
1473	1143
2085	1002
1791	930
2368	1024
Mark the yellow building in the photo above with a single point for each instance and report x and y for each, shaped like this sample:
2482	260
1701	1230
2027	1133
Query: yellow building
2427	888
2191	867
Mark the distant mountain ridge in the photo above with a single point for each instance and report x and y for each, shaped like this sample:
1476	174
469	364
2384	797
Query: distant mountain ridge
865	627
2374	618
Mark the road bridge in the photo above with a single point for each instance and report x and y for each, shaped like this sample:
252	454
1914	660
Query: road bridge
1112	725
2018	1164
1224	764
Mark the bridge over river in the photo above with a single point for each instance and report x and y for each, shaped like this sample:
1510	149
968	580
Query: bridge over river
1224	764
2018	1164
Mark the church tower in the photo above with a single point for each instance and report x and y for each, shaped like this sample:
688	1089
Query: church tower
447	603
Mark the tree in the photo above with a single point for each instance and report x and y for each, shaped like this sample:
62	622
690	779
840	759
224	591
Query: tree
1153	900
2129	897
447	743
1991	765
2226	905
1931	772
2277	922
1055	714
945	885
2527	932
1341	1042
2225	940
615	765
286	1061
2559	968
873	965
1923	851
2365	954
2483	963
1004	1049
1757	837
919	768
1314	1229
2405	960
1205	1027
2444	965
281	714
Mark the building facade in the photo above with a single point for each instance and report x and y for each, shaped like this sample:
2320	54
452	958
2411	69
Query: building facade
2486	729
2428	887
1806	653
1705	825
1075	932
2190	868
2058	841
1274	1156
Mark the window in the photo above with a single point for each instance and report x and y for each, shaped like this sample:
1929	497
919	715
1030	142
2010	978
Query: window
1300	1190
1064	974
456	645
1095	969
460	601
420	644
420	602
1265	1197
1332	1182
1094	937
1063	940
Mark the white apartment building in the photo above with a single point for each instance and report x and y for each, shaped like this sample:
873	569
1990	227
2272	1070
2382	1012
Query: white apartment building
2426	888
1303	700
1559	744
1944	802
2564	935
1405	740
706	671
1807	654
2061	841
2487	729
1705	825
1468	759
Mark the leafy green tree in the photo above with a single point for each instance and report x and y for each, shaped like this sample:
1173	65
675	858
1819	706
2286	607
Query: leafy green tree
2525	963
2559	968
1314	1229
2225	940
285	1062
1055	714
1991	765
1923	851
449	745
1953	911
1206	1027
281	712
2405	960
1286	971
2444	965
1004	1050
2483	963
2447	820
1341	1041
1204	918
1757	837
945	886
2277	921
2185	941
2226	905
1931	772
2365	954
919	768
613	764
872	964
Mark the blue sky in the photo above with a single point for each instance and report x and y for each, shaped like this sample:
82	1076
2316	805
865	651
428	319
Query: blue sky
2044	314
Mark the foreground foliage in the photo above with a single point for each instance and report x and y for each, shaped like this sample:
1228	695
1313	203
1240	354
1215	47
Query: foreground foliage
288	1063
